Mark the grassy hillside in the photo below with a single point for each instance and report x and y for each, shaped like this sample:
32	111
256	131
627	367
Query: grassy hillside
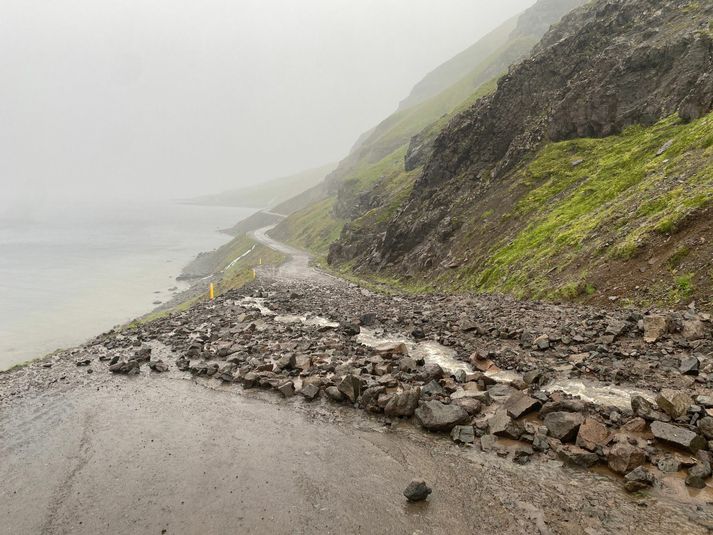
616	218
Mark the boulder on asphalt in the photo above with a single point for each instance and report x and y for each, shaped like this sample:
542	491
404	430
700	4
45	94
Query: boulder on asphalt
437	416
350	386
310	391
369	400
678	436
403	403
130	367
577	456
592	434
334	394
673	402
655	326
563	425
287	389
158	366
519	404
463	434
501	424
698	474
417	491
638	479
624	457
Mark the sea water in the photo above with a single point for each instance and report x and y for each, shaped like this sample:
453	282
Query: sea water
71	271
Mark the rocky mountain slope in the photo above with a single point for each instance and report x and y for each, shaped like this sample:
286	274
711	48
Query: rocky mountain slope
587	172
373	175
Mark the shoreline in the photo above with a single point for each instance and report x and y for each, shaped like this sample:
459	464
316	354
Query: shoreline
171	298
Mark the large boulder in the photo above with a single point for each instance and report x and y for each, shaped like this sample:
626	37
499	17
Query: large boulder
350	386
592	435
519	404
502	425
678	436
673	402
623	458
403	403
563	425
437	416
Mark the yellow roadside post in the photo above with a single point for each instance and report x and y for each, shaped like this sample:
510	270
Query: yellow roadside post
212	291
254	274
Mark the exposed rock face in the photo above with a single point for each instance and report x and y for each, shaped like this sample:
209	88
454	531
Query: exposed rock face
607	65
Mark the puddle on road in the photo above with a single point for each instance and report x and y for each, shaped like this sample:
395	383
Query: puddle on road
430	351
598	393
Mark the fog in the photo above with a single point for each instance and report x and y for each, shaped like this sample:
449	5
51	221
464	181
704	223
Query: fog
174	98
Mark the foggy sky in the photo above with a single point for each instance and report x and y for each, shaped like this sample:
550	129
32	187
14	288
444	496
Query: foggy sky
178	97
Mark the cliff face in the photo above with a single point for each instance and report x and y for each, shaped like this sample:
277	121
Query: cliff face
606	66
590	162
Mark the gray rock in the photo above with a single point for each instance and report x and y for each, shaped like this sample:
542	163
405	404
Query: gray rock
501	424
673	402
655	326
624	457
638	479
705	426
158	366
437	416
698	474
563	425
519	404
287	389
463	434
577	456
334	393
369	399
350	386
689	365
678	436
403	403
592	434
310	391
471	405
417	491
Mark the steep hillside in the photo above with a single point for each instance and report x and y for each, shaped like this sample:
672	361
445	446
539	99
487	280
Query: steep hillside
588	170
373	179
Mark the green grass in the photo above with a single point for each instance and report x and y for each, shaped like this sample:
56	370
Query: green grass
312	229
617	197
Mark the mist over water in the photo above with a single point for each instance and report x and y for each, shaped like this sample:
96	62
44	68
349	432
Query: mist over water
70	271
